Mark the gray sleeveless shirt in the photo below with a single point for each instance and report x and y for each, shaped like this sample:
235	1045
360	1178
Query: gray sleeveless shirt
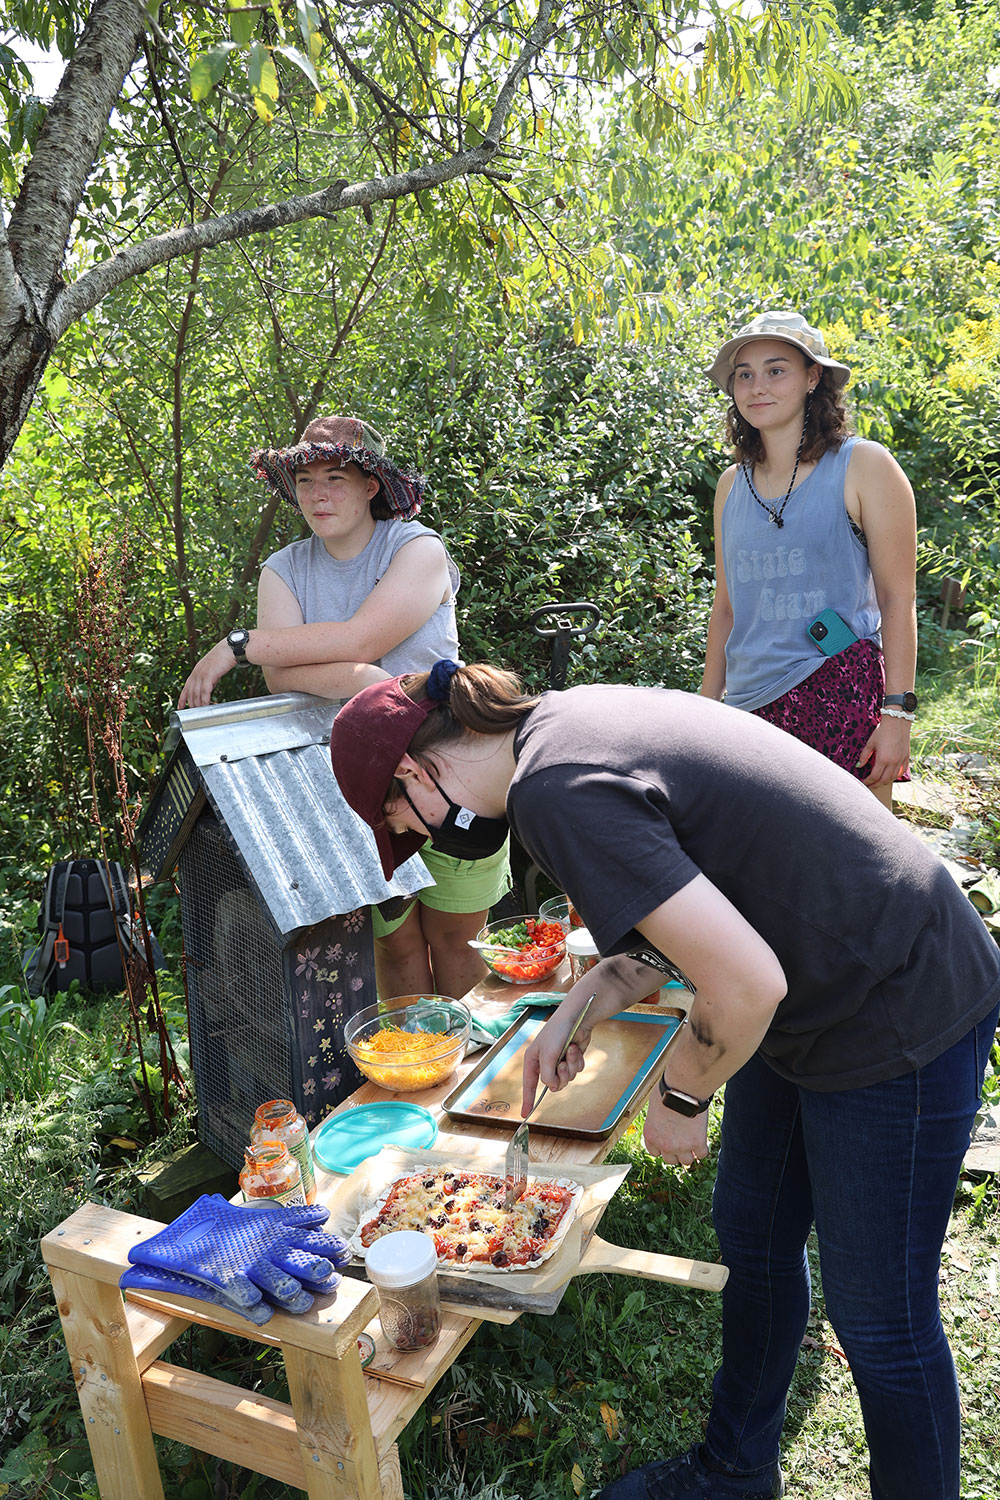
328	589
780	579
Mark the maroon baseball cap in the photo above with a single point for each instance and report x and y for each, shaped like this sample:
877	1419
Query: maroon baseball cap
370	736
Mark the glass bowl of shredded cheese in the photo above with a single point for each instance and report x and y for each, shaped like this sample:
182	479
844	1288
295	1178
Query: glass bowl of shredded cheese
409	1043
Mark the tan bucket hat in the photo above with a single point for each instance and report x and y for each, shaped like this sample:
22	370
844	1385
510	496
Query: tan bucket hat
784	324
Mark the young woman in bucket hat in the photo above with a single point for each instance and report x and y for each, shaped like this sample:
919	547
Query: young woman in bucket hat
847	1003
809	520
371	592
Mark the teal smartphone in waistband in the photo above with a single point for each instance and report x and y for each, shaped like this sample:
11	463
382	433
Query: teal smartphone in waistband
831	634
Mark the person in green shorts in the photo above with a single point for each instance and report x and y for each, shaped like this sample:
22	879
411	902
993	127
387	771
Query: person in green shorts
369	594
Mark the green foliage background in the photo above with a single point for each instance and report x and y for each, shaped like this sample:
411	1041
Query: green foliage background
537	352
536	348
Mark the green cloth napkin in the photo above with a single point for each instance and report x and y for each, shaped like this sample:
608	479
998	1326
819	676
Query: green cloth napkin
485	1031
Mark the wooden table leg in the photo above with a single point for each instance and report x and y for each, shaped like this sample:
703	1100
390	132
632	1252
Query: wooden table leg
392	1479
109	1387
334	1425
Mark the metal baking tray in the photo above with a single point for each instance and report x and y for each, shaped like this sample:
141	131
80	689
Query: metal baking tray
624	1051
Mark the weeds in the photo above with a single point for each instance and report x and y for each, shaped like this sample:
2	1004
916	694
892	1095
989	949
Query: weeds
28	1028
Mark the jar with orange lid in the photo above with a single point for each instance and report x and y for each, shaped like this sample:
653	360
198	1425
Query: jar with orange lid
271	1174
279	1120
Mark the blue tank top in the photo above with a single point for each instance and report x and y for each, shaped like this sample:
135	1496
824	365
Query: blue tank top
779	580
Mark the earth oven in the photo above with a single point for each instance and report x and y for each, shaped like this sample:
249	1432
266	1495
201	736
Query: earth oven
277	877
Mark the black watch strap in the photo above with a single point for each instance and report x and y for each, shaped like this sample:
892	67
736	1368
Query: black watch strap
906	701
237	641
683	1104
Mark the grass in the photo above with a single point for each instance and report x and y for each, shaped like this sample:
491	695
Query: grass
959	688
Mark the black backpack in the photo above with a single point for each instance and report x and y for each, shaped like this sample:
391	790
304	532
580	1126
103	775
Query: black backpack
85	911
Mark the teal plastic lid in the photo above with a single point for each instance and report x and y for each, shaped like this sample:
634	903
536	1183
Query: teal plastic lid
348	1139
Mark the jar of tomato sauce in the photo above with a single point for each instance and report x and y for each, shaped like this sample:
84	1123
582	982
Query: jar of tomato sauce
279	1120
270	1174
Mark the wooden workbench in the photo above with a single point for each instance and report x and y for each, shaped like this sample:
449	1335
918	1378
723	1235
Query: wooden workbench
336	1438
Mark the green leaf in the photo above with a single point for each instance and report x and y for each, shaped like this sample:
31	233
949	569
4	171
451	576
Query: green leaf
302	63
242	25
263	74
209	69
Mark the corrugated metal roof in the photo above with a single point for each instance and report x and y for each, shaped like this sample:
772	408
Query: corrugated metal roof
265	763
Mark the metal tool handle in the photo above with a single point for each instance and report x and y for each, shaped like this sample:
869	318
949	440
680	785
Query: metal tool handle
573	1031
564	632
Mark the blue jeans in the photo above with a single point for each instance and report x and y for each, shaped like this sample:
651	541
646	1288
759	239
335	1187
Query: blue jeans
875	1169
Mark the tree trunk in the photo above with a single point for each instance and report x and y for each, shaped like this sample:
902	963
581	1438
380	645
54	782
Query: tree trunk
25	347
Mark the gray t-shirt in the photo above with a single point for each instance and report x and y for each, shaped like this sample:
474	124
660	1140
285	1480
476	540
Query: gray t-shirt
328	589
624	795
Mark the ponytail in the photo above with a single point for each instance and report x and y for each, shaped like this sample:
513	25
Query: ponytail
477	699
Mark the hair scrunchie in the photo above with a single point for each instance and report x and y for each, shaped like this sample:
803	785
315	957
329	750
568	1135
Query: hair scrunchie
439	680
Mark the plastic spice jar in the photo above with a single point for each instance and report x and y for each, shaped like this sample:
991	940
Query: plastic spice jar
279	1120
403	1265
581	950
271	1175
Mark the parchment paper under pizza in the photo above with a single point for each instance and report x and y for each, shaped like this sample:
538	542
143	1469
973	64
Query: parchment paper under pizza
353	1201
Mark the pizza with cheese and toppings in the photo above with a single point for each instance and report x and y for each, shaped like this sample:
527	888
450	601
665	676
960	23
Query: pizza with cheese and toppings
464	1213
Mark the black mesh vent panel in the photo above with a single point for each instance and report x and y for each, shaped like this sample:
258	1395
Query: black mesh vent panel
240	1026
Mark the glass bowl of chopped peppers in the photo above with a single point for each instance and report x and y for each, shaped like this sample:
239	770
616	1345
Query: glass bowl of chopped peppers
522	950
409	1043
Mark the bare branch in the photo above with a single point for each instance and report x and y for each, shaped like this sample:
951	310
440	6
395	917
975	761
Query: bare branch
96	283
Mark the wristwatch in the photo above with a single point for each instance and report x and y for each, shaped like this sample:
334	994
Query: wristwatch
684	1104
906	701
237	641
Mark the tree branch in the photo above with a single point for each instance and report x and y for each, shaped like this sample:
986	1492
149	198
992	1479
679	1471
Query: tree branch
96	283
73	301
541	29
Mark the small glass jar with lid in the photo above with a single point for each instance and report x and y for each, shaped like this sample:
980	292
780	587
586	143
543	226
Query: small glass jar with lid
279	1120
403	1266
271	1175
581	950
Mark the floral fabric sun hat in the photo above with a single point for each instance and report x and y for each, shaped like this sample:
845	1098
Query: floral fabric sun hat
784	324
346	440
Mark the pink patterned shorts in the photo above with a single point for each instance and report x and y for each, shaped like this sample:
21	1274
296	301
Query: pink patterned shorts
837	707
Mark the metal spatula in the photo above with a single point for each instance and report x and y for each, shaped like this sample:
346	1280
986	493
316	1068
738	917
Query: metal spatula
516	1160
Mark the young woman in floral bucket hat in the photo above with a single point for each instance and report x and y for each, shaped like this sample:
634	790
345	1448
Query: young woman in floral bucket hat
814	622
369	594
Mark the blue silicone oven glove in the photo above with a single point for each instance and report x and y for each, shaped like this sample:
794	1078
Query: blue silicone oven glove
146	1279
245	1252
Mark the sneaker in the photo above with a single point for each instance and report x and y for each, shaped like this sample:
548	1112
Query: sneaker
687	1478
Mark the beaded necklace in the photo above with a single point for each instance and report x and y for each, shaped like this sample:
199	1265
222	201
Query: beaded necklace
774	512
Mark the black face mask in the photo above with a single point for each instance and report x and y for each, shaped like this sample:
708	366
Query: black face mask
464	834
